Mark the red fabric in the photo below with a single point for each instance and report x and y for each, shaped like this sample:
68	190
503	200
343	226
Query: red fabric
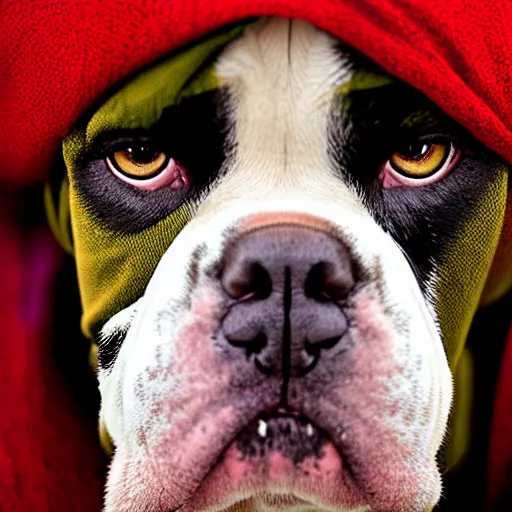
500	450
57	57
49	458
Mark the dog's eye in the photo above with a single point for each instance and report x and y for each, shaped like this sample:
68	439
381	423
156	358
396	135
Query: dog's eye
139	162
419	160
145	167
419	163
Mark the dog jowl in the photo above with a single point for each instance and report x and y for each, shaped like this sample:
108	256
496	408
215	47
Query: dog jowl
272	250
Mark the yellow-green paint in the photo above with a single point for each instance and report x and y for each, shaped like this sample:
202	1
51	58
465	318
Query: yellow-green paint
141	102
362	80
465	266
115	268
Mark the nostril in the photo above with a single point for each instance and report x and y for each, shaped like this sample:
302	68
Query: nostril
248	280
308	358
328	281
252	346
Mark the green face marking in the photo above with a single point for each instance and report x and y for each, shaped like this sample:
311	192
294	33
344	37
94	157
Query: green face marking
421	117
115	268
465	266
363	80
360	81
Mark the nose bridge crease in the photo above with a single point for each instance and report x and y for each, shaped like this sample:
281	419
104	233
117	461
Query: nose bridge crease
287	123
287	337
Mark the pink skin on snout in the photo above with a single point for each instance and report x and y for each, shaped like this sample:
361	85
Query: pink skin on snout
381	427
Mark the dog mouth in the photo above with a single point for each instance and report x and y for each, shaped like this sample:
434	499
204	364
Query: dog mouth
280	454
279	459
283	431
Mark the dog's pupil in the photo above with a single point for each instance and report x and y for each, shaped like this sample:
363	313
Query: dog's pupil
142	154
415	150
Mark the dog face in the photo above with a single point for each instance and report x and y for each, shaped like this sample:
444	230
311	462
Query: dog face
289	349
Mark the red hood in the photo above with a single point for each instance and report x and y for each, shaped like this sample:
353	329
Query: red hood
58	57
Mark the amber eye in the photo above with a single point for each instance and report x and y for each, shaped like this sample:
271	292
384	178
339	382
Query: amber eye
420	159
140	163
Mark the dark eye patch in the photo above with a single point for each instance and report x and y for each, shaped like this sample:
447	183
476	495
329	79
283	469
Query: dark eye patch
193	132
422	220
381	121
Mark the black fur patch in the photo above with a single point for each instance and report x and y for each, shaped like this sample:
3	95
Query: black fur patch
423	220
192	132
108	348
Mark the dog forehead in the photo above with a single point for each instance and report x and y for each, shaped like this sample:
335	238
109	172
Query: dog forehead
285	52
282	77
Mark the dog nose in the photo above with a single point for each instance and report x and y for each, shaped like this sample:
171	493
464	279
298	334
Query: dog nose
286	286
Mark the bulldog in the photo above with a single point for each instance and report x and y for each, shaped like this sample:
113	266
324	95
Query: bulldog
280	248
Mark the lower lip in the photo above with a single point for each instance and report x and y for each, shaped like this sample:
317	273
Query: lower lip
278	446
277	468
245	480
275	482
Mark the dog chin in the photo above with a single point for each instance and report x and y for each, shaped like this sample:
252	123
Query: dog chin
275	483
250	476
